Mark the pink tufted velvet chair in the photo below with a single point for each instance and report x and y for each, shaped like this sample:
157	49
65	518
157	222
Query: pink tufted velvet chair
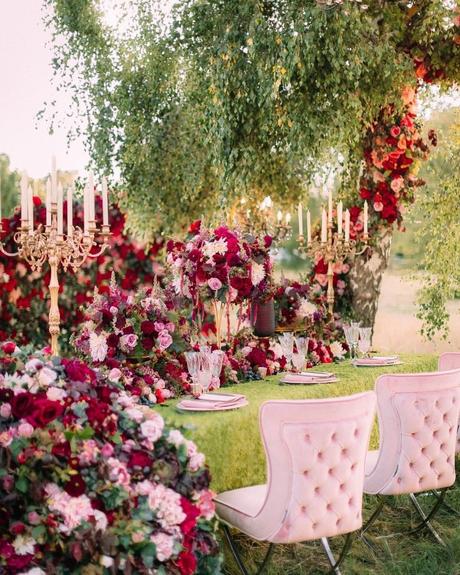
315	453
418	416
447	361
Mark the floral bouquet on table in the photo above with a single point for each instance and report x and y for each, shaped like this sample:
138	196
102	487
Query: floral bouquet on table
130	331
221	266
93	480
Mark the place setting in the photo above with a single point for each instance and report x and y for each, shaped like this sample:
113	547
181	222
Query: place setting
204	367
359	343
295	351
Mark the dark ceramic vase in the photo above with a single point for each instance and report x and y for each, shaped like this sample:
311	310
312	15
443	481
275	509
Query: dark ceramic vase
263	318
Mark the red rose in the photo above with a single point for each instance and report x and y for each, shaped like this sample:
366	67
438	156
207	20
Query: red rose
78	371
148	327
140	459
22	405
96	412
46	411
186	563
257	357
76	486
191	514
195	227
159	396
62	450
19	561
365	193
17	528
321	267
8	347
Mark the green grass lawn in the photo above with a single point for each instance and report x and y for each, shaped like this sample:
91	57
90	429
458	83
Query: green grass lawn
234	452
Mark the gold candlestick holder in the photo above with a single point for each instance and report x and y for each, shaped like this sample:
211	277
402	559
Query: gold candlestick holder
44	243
335	249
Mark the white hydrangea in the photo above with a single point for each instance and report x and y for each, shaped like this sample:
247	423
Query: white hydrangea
98	346
216	247
257	273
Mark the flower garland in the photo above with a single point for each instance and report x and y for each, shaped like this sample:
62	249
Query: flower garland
23	294
91	474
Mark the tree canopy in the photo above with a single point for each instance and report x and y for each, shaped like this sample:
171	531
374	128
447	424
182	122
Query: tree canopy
221	98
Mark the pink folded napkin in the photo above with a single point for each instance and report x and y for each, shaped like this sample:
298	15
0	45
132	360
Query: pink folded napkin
307	379
213	402
389	360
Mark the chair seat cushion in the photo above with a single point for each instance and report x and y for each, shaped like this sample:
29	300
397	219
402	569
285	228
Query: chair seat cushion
371	461
239	506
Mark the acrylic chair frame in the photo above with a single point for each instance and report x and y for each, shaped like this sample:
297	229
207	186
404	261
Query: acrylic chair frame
279	505
387	387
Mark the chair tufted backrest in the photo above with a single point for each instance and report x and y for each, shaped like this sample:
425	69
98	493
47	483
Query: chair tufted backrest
315	451
447	361
418	416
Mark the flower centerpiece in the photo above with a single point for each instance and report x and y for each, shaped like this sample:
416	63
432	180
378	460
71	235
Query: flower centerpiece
220	266
92	476
126	331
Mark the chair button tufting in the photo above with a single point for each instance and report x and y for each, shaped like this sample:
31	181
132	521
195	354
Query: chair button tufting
334	436
411	464
305	473
342	487
329	507
303	509
314	525
320	454
353	466
330	471
338	522
356	433
307	437
316	490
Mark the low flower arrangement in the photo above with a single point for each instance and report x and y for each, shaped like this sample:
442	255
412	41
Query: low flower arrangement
91	475
221	264
142	333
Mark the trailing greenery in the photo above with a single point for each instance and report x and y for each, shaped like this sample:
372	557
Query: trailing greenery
225	98
440	234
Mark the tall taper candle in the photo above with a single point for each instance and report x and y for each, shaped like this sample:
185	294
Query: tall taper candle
308	226
48	202
85	208
30	209
300	220
366	217
24	182
288	218
0	203
91	198
347	226
324	227
53	180
70	211
60	210
105	202
280	216
339	218
330	205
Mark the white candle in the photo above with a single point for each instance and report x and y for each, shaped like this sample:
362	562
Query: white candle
85	208
60	210
308	226
92	217
330	205
30	209
48	202
105	202
347	226
0	204
339	218
288	218
324	227
24	182
280	215
300	220
70	211
366	216
53	180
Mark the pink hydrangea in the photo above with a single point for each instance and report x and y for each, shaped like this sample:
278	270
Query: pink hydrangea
164	545
152	428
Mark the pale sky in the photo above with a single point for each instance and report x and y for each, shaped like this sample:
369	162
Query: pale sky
25	85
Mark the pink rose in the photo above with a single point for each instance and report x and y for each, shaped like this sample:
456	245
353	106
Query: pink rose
152	428
107	450
164	545
5	410
33	518
214	283
395	131
378	206
397	184
170	327
164	339
25	429
128	342
159	326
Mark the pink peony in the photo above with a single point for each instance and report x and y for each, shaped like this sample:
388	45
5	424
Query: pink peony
128	342
397	184
152	428
5	410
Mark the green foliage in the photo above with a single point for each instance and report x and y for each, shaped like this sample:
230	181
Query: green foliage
440	235
225	98
9	185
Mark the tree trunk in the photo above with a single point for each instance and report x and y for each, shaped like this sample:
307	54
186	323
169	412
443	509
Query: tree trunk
366	278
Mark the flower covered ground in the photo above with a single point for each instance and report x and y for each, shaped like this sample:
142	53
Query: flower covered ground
92	479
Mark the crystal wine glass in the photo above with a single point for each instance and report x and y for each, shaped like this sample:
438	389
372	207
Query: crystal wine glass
287	345
298	359
364	343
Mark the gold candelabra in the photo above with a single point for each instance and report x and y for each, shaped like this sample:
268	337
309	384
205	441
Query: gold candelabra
48	243
333	247
262	220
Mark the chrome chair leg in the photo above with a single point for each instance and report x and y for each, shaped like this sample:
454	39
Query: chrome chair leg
425	523
335	563
237	556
